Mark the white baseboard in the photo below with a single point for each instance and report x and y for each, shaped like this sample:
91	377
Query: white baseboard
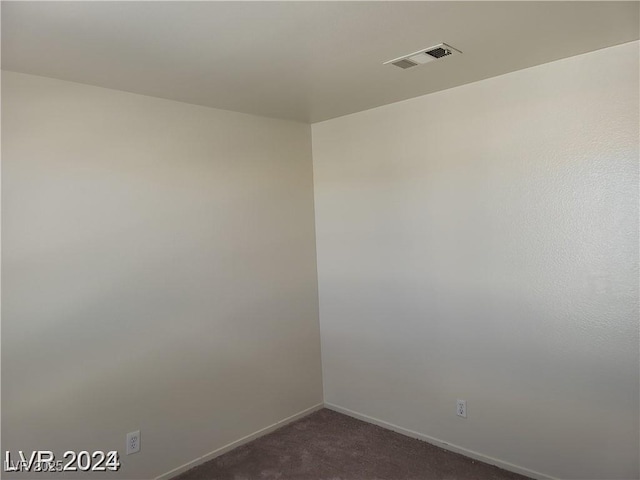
366	418
241	441
442	444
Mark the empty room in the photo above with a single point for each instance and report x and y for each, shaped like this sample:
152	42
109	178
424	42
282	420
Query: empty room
320	240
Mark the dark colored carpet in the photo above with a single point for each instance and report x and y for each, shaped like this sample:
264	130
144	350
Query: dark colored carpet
330	446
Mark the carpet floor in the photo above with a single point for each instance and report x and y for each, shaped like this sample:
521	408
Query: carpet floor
331	446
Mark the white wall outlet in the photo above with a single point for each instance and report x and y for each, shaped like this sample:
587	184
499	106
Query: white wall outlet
133	442
461	408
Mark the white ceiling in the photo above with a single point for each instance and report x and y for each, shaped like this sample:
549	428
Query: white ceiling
308	61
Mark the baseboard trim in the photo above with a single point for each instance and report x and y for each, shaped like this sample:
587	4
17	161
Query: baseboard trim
241	441
441	443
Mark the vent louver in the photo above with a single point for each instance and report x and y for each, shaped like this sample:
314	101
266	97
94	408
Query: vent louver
425	55
404	63
438	52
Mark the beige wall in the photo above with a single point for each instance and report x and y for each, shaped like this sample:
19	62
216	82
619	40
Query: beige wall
158	273
477	243
482	243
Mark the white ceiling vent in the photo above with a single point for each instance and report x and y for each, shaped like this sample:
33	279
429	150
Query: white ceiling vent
425	55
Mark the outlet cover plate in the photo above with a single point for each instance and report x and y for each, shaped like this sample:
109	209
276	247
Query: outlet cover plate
133	442
461	408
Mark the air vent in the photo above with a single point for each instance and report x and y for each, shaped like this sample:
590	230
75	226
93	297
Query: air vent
425	55
404	63
438	52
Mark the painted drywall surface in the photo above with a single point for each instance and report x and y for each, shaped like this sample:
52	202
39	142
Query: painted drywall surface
482	243
158	274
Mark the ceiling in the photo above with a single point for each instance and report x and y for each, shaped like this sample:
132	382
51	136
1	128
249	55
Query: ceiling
307	61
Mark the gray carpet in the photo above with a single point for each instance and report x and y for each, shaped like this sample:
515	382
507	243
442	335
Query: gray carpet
330	446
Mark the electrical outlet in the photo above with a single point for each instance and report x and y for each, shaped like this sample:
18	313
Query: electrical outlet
461	408
133	442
